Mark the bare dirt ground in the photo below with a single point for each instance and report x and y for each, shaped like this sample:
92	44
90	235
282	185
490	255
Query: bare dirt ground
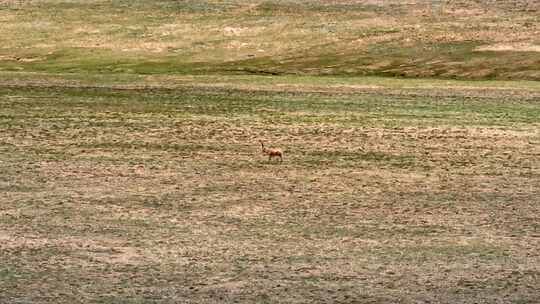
385	195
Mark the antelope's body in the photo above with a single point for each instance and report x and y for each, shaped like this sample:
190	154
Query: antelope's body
272	153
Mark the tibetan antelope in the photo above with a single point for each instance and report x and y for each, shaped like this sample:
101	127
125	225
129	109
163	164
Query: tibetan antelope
272	152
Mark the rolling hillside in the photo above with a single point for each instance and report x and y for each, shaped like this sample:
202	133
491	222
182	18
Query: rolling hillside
462	39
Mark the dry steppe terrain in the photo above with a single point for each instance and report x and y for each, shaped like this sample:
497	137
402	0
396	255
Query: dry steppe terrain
481	39
131	169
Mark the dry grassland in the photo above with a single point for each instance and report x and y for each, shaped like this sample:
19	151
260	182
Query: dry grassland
131	169
161	195
480	39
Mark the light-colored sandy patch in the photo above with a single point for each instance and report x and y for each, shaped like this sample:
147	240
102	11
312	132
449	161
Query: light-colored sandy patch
20	59
119	255
509	47
33	59
246	211
233	31
37	25
377	66
102	249
375	22
466	12
7	58
86	30
236	45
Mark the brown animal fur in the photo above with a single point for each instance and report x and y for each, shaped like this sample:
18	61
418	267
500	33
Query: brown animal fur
272	152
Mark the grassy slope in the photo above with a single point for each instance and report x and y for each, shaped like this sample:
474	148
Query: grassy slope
298	37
